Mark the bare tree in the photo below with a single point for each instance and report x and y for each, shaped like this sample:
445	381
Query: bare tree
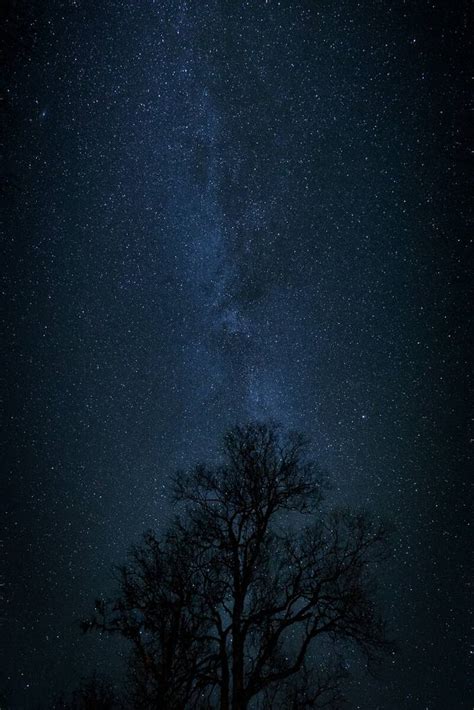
248	597
284	587
92	694
159	611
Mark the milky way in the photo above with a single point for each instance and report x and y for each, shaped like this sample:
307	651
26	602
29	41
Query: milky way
224	211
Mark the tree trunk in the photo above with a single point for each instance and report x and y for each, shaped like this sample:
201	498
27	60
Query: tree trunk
238	690
224	704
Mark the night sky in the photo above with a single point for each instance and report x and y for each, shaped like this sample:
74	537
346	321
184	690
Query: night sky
220	211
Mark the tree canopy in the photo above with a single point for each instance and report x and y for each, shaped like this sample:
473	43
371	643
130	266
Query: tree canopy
255	590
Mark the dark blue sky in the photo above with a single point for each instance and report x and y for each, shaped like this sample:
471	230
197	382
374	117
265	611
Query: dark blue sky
223	211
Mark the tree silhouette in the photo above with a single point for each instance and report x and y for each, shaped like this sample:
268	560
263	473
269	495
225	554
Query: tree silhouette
160	612
92	694
246	600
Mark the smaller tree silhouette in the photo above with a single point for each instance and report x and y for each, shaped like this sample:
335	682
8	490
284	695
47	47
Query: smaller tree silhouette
247	599
92	694
160	612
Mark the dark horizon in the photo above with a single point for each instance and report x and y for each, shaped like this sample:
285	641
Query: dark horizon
219	212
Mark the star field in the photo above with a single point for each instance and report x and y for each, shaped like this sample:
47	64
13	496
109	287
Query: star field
225	211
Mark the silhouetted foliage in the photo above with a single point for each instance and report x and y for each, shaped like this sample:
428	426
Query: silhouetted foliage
244	602
160	612
92	694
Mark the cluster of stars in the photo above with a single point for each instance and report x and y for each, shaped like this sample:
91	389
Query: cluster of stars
229	211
